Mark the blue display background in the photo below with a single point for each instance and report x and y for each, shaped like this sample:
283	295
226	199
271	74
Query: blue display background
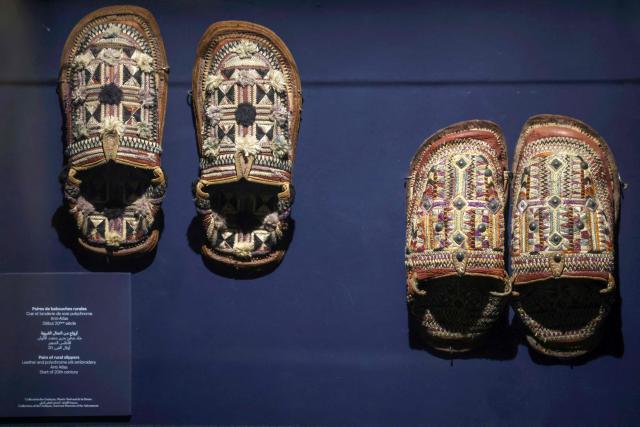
324	338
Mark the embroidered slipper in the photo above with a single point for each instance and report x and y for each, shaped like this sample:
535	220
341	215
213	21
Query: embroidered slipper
113	91
457	286
247	103
564	216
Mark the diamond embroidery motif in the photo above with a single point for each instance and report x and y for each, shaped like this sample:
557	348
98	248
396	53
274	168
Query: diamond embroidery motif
556	239
522	205
459	203
556	164
458	238
554	202
426	203
493	205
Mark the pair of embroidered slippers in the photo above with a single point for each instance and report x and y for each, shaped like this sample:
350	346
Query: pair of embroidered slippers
246	103
565	198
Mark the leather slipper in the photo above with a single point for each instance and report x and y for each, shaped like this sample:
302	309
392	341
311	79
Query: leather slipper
113	91
457	286
246	103
566	195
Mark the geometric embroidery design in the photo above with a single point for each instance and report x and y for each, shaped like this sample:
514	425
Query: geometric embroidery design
247	106
238	73
109	88
456	194
562	207
457	207
566	200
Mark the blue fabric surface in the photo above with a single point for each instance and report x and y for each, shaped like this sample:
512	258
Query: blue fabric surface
324	338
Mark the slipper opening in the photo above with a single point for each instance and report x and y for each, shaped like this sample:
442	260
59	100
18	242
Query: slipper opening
564	317
247	218
457	312
116	205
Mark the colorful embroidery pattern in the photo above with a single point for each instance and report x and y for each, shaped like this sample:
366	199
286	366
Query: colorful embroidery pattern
247	103
563	212
565	207
247	110
111	92
455	217
456	197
